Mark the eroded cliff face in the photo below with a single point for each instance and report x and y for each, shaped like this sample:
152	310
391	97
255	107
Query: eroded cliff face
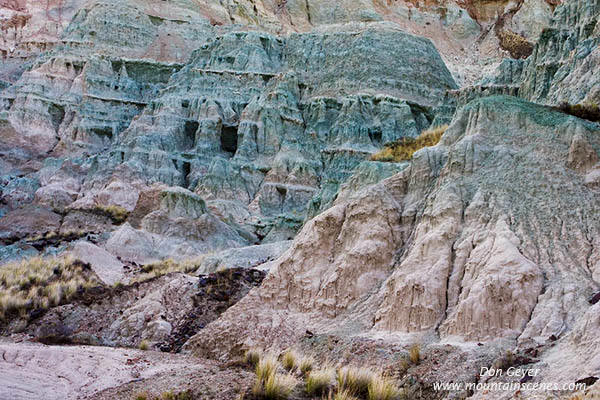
460	29
136	131
490	235
451	214
265	128
29	28
561	69
172	92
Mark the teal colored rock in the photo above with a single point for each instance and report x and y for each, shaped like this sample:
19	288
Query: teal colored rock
563	66
112	59
561	69
273	121
178	202
267	125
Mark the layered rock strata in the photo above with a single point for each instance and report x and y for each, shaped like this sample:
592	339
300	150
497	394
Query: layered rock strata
264	128
476	240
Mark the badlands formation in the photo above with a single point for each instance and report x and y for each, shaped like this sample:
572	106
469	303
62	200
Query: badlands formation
184	180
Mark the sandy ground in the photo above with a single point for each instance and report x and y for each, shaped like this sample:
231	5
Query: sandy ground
31	371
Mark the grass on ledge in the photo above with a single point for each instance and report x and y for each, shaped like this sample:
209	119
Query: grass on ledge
587	110
515	44
40	283
164	267
403	149
117	214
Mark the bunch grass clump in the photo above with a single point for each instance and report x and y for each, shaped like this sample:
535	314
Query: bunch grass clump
279	386
306	364
344	395
354	379
345	383
40	283
318	382
167	266
291	360
403	149
414	353
253	356
266	367
270	384
382	388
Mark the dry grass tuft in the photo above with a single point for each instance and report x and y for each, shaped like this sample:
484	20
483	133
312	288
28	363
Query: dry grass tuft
306	364
320	381
347	383
253	356
266	367
344	395
290	360
274	387
355	380
40	283
279	386
414	353
144	345
270	384
164	267
382	388
515	44
116	213
403	149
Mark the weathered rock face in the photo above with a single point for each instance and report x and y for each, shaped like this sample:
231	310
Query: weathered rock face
138	131
163	311
271	110
28	28
476	240
562	67
79	96
458	28
461	29
269	126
